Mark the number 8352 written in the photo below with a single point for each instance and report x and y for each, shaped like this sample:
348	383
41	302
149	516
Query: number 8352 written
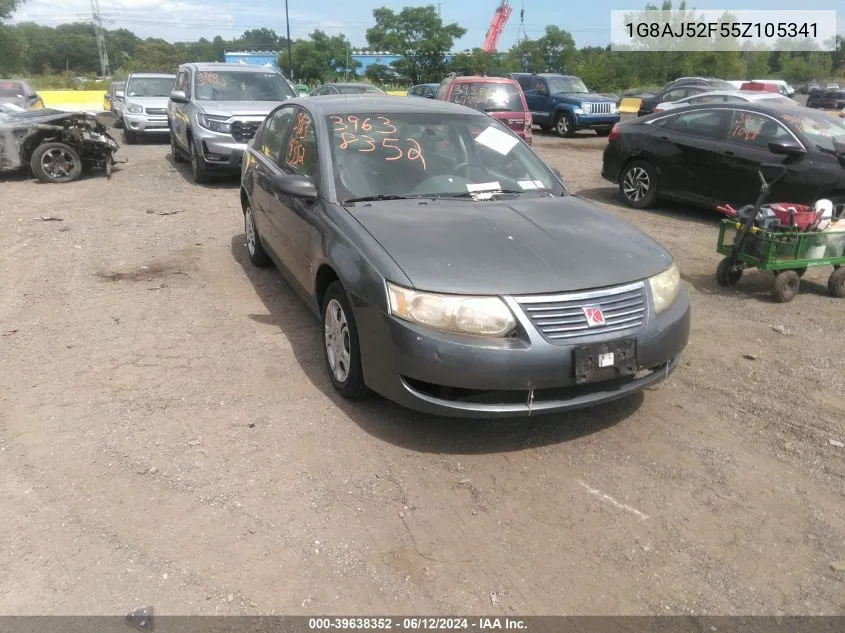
365	137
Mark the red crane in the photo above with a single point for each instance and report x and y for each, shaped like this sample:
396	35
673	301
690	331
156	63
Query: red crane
497	25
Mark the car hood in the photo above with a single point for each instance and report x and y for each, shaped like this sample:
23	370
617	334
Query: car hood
148	102
580	97
527	246
237	108
43	115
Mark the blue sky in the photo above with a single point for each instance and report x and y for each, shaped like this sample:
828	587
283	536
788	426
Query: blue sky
179	20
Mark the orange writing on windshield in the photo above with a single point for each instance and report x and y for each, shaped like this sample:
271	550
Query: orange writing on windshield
748	127
359	133
355	124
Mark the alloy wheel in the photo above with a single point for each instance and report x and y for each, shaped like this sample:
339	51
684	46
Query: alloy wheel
338	346
636	184
58	163
249	230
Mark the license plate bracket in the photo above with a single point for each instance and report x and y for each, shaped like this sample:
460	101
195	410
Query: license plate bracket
597	362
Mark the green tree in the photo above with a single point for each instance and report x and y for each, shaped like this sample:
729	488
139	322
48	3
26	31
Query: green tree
8	7
479	61
380	73
419	36
153	55
320	57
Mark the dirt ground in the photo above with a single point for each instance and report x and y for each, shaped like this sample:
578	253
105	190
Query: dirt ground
169	437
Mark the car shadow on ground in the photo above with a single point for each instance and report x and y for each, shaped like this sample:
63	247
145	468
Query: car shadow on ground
610	195
219	181
397	425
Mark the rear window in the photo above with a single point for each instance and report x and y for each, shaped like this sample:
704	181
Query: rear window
11	89
488	97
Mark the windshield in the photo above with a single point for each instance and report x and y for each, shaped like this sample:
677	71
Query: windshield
824	131
416	154
566	84
10	89
150	86
231	85
488	97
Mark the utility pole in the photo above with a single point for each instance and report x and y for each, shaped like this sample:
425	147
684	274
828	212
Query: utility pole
290	46
101	39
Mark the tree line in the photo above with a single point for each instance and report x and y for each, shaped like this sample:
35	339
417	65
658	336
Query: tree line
417	34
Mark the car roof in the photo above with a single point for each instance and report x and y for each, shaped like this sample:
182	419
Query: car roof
752	95
349	83
479	79
348	104
153	75
774	107
213	66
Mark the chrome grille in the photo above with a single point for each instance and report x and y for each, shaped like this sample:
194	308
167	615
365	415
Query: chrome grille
157	111
560	317
243	131
600	108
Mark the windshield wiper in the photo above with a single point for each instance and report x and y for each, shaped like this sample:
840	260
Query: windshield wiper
492	192
381	196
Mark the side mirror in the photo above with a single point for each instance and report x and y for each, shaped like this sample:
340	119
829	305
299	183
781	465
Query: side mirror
119	94
178	96
295	186
787	148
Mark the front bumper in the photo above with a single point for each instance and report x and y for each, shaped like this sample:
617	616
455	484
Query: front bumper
458	376
220	151
593	121
146	123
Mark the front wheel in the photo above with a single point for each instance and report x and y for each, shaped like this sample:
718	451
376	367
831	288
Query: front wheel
638	184
340	344
55	163
726	274
257	255
786	286
198	167
564	125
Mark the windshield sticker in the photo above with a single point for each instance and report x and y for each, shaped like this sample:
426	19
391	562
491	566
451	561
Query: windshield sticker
747	127
211	79
531	184
484	186
497	140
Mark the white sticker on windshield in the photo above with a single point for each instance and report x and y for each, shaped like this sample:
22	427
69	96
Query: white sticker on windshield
484	186
497	140
531	184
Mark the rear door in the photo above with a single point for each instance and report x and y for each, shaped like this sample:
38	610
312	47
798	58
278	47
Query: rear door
687	147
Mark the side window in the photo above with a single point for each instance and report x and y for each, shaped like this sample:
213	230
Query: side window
709	124
755	130
525	83
674	94
271	136
301	153
540	87
442	89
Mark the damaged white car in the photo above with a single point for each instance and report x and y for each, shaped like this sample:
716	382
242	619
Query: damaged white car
57	146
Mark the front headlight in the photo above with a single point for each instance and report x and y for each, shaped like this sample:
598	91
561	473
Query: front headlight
214	124
587	108
665	288
613	108
577	110
135	108
479	316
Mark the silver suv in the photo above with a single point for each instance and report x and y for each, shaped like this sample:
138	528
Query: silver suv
215	110
144	109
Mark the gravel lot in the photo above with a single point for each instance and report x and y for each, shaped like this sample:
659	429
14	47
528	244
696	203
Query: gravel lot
169	437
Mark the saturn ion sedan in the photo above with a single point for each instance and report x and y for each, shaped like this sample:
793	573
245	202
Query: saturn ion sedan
451	269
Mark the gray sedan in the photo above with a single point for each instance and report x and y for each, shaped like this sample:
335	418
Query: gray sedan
451	269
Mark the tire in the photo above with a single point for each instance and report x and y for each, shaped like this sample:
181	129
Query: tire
257	255
198	167
129	137
175	152
605	131
725	276
836	283
56	163
340	344
564	126
786	286
638	184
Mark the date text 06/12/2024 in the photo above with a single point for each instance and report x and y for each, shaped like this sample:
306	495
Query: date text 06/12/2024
417	624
